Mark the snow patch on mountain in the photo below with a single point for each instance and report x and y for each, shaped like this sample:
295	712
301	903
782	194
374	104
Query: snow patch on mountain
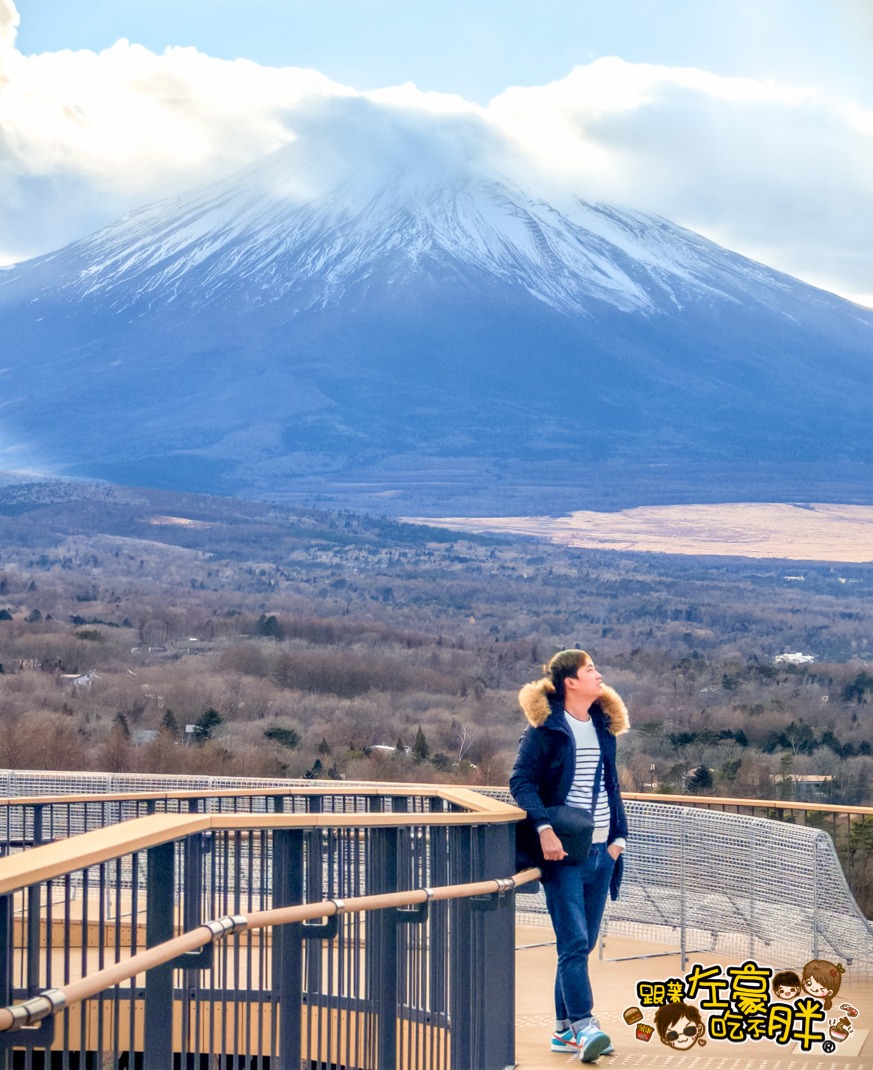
278	230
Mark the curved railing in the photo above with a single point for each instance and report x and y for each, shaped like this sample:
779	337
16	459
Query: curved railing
194	933
702	877
849	827
723	882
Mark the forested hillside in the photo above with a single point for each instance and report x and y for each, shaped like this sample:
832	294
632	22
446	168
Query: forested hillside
334	644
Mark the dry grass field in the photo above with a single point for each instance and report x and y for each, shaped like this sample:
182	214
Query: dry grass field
795	532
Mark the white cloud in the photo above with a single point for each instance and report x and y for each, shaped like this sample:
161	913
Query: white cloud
86	136
782	173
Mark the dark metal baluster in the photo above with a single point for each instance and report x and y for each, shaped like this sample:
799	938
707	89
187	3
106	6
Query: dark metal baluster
158	1020
7	958
382	945
287	962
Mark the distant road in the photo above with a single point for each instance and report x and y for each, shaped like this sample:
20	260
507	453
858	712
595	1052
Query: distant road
795	532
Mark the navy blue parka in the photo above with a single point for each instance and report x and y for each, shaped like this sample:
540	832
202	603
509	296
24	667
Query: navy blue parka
546	763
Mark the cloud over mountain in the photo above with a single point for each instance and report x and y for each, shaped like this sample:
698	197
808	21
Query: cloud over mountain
783	173
377	312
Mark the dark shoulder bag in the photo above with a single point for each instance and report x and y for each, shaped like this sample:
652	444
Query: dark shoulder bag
574	828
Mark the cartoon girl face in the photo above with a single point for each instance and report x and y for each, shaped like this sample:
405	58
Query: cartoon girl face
813	988
682	1035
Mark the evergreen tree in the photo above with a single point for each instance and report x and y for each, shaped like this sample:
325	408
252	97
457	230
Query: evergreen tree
206	723
286	737
420	749
699	781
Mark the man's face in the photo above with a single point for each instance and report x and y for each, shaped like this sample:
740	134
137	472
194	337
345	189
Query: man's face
787	991
586	684
682	1035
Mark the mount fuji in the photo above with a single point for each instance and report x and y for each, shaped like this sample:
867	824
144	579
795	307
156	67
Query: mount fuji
417	334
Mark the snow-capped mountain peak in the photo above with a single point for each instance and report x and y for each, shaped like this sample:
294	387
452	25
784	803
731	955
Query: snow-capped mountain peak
412	326
296	225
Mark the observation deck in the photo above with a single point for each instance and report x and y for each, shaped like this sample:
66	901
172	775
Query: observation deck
156	922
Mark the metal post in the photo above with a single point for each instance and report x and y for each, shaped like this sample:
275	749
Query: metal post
7	958
753	869
815	880
682	942
461	994
287	967
34	915
158	1021
438	976
382	945
495	1015
192	906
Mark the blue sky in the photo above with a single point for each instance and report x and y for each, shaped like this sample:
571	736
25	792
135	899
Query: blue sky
750	121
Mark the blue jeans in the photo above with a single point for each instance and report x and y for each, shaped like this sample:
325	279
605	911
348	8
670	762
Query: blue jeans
576	896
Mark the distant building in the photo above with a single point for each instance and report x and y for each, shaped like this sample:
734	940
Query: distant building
84	679
805	787
793	659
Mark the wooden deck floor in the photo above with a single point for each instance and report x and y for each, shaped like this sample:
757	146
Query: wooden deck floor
615	984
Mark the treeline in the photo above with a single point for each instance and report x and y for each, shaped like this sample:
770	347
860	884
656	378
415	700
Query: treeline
801	738
166	633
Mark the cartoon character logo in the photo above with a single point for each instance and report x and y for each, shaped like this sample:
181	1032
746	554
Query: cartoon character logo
679	1026
822	979
786	985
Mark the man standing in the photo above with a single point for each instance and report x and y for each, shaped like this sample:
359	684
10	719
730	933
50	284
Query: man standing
567	756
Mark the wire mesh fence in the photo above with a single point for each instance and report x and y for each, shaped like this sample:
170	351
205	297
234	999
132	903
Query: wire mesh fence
705	880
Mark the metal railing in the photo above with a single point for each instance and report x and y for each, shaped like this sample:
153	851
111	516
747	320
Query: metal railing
191	939
731	883
129	794
850	828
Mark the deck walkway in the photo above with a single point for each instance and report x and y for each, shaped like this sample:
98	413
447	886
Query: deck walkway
615	988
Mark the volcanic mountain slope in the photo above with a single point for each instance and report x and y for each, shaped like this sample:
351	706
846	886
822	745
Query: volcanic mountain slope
428	337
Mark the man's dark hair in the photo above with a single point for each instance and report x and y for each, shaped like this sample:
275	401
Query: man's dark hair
670	1013
565	663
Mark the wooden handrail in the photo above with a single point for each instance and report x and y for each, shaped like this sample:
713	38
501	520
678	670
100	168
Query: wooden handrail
426	790
52	860
54	1000
757	804
318	788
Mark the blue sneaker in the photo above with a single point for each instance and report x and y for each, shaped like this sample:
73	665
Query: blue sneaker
564	1041
592	1042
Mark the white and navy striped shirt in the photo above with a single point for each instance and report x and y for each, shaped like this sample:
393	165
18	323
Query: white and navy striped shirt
581	791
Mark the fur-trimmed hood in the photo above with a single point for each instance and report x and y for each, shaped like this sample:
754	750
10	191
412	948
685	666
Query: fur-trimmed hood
536	702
